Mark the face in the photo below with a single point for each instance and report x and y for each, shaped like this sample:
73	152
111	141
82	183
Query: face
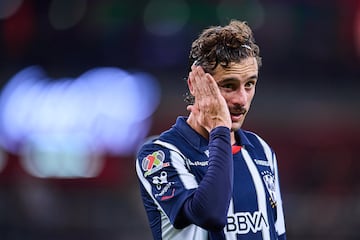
237	85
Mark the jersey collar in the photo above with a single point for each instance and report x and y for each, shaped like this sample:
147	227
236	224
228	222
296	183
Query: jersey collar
191	136
242	139
198	141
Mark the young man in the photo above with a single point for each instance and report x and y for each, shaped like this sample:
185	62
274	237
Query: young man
206	178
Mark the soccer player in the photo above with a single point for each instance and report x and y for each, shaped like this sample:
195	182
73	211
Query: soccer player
205	177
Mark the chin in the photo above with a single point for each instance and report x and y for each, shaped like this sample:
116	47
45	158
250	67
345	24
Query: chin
236	126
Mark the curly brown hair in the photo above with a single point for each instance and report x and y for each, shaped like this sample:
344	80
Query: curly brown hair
223	45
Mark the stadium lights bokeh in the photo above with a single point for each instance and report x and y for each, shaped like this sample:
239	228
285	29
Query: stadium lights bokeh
166	22
68	124
2	160
8	8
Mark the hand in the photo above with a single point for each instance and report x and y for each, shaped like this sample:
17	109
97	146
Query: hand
210	109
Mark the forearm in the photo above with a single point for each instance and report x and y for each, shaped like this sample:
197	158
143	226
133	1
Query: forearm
209	204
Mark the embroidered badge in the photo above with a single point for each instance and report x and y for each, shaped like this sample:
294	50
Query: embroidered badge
269	180
160	180
153	162
164	186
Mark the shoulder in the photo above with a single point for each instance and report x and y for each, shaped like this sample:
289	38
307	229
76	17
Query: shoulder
150	147
150	143
158	151
258	143
254	138
152	157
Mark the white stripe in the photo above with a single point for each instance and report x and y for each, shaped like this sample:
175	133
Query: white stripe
177	161
187	178
190	232
169	146
260	191
268	152
280	222
230	235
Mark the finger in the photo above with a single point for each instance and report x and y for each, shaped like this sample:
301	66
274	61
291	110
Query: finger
192	83
208	85
195	80
212	85
200	83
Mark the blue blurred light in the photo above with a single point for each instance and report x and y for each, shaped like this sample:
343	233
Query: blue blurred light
105	110
9	7
2	160
111	105
61	156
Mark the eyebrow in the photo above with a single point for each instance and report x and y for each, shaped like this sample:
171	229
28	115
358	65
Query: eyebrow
229	79
253	77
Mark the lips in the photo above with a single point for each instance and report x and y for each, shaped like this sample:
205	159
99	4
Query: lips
239	112
237	118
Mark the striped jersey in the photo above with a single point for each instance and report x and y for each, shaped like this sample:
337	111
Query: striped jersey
180	184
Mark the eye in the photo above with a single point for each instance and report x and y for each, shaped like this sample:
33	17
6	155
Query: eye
250	84
228	86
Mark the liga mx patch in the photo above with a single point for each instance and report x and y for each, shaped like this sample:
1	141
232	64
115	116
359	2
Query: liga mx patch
153	162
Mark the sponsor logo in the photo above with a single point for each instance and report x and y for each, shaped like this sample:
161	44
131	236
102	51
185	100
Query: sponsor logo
262	162
197	163
244	222
206	153
153	162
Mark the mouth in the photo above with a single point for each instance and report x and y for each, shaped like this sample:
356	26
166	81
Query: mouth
237	114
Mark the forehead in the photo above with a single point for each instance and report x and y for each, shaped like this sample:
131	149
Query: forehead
247	68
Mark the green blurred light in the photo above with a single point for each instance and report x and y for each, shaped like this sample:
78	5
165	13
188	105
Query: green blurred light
250	11
166	17
64	14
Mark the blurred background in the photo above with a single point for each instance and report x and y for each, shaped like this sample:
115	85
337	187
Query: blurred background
84	82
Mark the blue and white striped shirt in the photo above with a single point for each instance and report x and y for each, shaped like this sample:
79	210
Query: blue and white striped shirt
243	194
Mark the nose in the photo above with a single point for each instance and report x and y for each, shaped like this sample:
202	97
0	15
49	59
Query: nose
240	97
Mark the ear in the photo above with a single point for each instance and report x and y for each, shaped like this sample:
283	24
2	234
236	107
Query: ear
190	86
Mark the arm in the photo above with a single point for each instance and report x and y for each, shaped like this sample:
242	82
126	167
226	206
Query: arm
180	196
208	206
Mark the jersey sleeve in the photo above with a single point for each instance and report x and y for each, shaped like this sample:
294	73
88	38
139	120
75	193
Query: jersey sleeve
164	175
